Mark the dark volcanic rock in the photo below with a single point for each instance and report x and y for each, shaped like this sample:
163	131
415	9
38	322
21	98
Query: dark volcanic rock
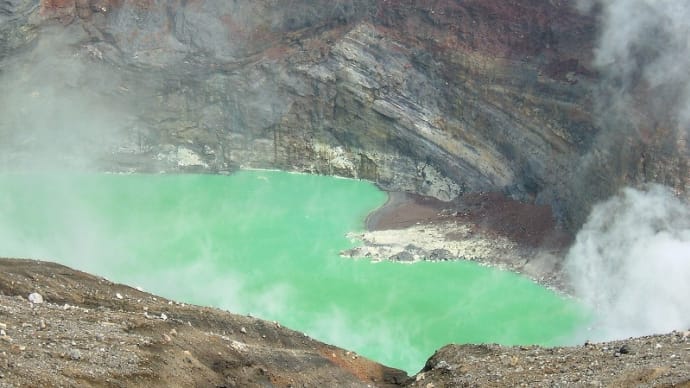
402	256
437	98
664	363
439	254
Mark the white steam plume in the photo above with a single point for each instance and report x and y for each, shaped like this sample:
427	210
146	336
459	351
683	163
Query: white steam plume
631	263
60	106
631	260
645	43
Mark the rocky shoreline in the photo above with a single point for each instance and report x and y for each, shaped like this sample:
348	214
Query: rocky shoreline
487	228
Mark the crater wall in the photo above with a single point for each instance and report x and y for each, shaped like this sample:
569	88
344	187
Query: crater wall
439	98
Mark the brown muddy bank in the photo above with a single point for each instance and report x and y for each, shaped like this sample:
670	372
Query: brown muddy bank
487	227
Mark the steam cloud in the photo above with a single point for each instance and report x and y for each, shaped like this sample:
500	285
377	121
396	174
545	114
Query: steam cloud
59	107
631	263
631	260
644	44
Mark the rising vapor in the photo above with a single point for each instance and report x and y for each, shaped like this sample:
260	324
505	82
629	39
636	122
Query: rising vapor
61	107
631	259
631	263
644	51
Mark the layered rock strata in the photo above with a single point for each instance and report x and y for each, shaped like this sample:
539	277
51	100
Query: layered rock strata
438	98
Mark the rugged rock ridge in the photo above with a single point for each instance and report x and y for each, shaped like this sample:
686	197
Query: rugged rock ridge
652	361
438	98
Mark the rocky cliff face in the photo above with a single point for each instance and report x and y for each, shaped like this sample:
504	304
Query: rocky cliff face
438	98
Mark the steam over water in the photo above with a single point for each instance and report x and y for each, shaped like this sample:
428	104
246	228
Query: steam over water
267	243
631	260
631	264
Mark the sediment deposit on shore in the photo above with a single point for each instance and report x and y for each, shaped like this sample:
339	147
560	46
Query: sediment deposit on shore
487	228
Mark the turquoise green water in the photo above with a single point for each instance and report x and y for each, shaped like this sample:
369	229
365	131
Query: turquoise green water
267	243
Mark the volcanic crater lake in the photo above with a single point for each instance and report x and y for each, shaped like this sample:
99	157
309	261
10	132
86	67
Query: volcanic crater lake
267	243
